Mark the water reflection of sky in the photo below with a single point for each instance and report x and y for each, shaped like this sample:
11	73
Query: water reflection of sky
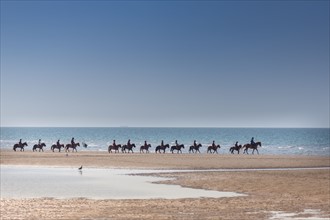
35	182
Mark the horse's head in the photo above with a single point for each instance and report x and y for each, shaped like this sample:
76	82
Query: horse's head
77	144
199	145
218	146
258	143
43	144
25	144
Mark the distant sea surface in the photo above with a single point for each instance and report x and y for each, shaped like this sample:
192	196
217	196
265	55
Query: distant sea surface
288	141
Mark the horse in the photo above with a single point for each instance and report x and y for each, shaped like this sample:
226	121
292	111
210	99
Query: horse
116	148
214	148
254	147
143	147
18	145
41	146
57	147
235	148
74	147
177	148
159	147
194	149
128	147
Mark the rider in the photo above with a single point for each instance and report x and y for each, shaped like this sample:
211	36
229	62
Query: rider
162	143
145	143
58	142
176	143
129	142
20	142
252	141
213	144
39	142
72	141
195	143
236	144
114	143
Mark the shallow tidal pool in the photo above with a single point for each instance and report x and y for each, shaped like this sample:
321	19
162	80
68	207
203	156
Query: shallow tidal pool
64	183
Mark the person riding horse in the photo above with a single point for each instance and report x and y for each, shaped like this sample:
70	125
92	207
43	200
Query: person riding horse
58	143
114	143
236	144
145	143
213	144
20	142
195	144
72	142
129	142
252	141
162	144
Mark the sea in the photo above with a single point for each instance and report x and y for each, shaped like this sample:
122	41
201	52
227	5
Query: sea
275	141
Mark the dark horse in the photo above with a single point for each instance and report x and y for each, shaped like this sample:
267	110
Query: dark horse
232	149
254	147
177	148
163	148
128	147
115	148
74	147
41	147
146	148
214	148
18	145
194	149
57	147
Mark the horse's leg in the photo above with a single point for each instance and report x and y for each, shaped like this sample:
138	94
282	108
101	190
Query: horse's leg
257	150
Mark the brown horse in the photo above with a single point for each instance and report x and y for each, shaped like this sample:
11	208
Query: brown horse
74	147
254	147
177	148
214	148
115	148
163	148
145	147
57	147
18	145
41	146
128	147
238	148
195	149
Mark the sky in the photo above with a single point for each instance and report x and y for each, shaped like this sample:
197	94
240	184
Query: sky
165	63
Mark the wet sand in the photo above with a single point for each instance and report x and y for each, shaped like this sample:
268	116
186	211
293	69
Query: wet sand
268	191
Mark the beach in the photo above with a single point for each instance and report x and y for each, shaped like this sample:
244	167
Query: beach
269	193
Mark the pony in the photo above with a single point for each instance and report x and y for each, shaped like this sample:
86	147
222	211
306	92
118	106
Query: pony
163	148
115	148
74	147
128	147
177	148
41	146
214	148
18	145
252	146
146	148
195	149
57	147
232	149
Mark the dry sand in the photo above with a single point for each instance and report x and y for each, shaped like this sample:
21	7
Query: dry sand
288	191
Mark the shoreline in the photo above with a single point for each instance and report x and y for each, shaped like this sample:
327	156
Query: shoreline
95	159
268	191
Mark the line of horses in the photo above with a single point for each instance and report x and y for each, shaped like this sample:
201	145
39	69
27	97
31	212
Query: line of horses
145	148
42	145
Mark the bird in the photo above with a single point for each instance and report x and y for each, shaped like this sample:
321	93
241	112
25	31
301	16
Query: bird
80	168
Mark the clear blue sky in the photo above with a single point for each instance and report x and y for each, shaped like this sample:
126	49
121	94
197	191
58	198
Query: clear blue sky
165	63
